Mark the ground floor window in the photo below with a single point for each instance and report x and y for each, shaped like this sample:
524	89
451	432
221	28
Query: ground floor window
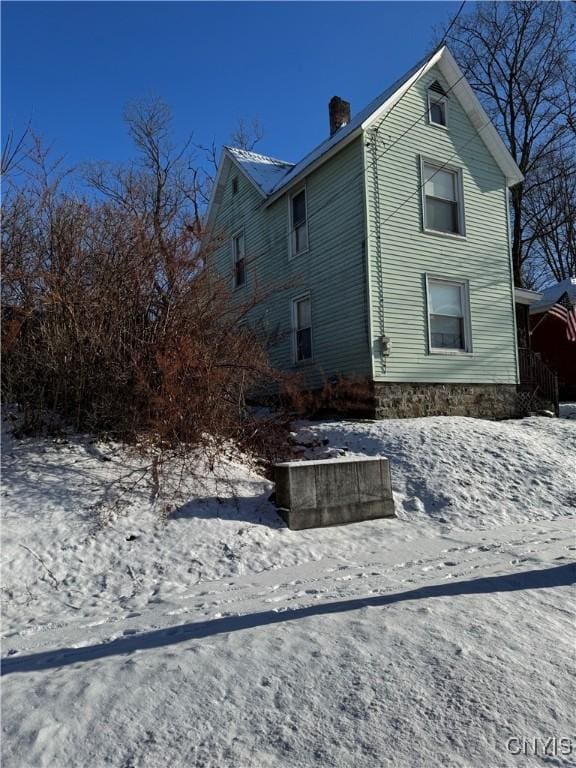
448	315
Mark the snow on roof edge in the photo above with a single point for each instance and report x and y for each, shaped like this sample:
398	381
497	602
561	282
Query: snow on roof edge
554	293
264	171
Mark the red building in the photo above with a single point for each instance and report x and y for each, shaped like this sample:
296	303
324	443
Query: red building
548	335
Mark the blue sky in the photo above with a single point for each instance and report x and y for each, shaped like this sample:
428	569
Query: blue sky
71	67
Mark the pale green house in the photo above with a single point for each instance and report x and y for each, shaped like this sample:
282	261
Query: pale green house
389	248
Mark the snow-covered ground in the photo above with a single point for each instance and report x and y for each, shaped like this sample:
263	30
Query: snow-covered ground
194	629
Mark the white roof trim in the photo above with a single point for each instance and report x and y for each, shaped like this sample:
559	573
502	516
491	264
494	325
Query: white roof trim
395	97
524	296
462	91
215	190
218	188
459	86
479	118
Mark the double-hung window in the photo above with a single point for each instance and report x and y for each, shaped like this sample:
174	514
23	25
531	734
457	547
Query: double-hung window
298	223
448	315
239	258
302	328
442	199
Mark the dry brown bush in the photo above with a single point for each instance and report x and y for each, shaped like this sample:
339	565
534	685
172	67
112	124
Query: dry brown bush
112	323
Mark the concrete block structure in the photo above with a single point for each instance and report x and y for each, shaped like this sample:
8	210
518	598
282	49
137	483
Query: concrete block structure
314	494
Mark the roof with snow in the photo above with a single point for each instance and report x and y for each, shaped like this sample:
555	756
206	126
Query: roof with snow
265	172
272	177
554	293
350	128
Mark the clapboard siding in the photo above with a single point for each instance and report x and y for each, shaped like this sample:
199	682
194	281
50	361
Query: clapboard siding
333	270
404	254
362	286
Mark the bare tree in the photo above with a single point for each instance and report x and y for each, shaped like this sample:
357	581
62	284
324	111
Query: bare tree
550	218
518	56
15	150
246	135
113	322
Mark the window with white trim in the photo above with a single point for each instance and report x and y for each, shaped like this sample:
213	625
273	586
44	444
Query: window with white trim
298	223
302	328
442	199
448	315
239	258
436	109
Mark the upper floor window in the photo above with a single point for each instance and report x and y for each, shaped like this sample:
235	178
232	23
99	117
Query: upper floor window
442	199
436	109
239	258
302	328
235	185
448	315
298	223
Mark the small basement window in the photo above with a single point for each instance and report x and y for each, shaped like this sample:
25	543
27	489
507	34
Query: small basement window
448	315
239	258
302	329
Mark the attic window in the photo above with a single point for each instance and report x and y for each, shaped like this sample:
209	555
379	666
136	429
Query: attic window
437	105
436	109
235	185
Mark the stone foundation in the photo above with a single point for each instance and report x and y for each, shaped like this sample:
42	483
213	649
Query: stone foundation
483	401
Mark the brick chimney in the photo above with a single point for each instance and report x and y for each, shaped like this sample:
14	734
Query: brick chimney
339	111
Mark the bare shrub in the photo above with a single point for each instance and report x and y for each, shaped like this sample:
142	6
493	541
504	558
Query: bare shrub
111	319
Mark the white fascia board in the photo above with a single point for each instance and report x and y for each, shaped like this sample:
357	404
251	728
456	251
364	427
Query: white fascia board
216	194
459	86
478	117
524	296
397	95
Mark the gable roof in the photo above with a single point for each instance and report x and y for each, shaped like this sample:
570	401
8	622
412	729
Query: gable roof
262	171
273	177
350	131
554	293
265	172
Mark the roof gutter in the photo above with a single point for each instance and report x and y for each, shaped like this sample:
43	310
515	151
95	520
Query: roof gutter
524	296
